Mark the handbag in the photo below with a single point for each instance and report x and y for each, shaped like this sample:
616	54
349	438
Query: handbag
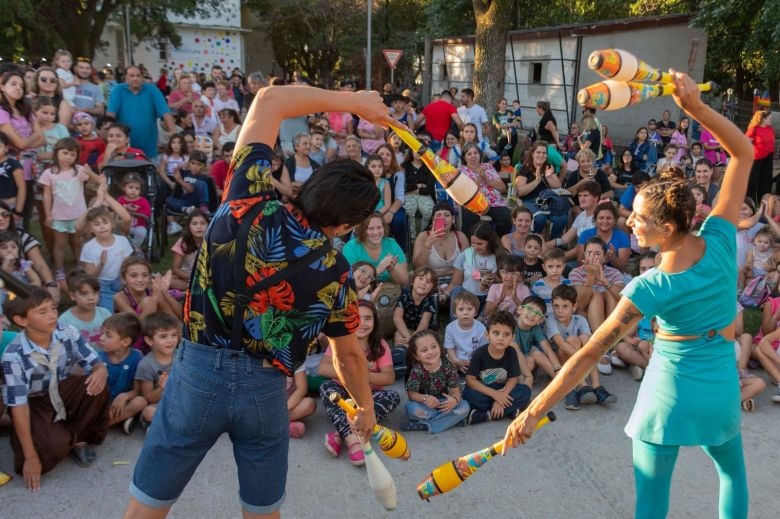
555	204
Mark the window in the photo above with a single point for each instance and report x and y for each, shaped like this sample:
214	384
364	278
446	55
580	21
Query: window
163	46
443	73
536	73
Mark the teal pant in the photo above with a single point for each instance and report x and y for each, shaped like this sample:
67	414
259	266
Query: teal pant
653	467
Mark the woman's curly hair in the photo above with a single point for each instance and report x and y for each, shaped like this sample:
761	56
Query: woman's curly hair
671	201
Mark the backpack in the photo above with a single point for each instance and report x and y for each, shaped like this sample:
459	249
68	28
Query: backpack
756	293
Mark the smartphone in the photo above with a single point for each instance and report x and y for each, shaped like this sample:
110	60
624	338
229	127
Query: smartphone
438	224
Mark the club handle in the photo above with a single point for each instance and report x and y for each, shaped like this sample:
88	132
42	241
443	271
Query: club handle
336	399
549	417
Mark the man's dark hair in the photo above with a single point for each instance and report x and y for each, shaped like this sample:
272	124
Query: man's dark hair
340	192
228	146
446	93
565	292
501	317
157	322
20	306
126	325
469	92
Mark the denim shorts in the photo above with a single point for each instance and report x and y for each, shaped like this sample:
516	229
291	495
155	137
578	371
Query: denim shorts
209	392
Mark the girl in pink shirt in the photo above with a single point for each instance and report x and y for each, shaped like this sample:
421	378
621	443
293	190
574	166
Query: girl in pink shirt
63	199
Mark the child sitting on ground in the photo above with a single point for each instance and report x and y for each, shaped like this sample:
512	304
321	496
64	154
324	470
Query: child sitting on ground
52	416
554	262
570	332
530	340
161	333
299	404
186	248
532	269
636	348
416	310
12	263
380	374
435	403
138	207
759	256
508	294
86	316
465	334
498	383
120	331
365	276
102	256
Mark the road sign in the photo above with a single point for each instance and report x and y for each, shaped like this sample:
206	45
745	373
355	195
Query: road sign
392	57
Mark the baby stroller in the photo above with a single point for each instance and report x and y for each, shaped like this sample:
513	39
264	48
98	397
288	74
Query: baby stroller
115	171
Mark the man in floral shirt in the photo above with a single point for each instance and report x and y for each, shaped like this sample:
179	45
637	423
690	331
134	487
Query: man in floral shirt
233	381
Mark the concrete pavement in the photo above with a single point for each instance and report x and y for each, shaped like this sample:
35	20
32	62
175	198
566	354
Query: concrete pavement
578	467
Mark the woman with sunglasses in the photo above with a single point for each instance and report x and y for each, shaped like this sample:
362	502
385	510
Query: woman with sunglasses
45	83
30	249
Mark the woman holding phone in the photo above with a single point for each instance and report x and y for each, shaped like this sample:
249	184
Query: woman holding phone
439	245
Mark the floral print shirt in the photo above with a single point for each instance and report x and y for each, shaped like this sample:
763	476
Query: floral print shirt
493	195
281	323
435	383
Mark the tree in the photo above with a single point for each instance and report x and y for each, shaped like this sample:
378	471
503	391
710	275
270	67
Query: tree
494	18
37	27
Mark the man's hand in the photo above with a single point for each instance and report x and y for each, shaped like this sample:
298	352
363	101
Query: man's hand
363	423
31	472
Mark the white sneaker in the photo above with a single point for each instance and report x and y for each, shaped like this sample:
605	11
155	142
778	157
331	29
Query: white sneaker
636	372
173	228
776	397
188	210
616	361
605	368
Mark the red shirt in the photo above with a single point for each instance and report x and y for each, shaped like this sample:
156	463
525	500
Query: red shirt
139	206
178	95
90	150
438	118
219	171
763	141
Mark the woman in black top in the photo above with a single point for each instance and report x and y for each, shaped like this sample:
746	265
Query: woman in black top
548	127
535	176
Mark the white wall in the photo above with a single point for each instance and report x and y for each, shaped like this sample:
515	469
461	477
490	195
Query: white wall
664	47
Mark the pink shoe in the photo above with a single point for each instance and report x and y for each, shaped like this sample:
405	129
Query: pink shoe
356	456
333	443
297	429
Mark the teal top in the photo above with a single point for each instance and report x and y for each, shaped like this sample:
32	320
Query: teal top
354	252
381	187
690	391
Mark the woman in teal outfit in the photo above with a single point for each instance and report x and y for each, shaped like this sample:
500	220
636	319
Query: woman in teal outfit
690	393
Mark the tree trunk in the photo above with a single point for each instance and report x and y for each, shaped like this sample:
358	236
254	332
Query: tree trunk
493	17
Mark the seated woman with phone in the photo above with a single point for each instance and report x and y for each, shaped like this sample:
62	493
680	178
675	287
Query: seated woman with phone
439	245
371	243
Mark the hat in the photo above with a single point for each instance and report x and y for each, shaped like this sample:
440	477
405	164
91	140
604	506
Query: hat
80	116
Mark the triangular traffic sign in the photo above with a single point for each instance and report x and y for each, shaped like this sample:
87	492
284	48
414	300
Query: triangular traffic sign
392	56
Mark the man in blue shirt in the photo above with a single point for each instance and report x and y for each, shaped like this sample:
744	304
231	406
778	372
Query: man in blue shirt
138	105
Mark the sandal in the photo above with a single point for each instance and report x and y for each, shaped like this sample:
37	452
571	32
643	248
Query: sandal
333	444
356	456
749	405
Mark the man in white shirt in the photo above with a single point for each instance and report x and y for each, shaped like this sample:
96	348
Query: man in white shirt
471	112
202	124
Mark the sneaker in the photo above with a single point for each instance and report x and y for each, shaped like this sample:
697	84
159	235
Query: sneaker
587	395
297	429
572	400
80	454
414	425
333	444
636	372
776	398
616	361
603	396
188	209
173	228
604	365
476	416
128	425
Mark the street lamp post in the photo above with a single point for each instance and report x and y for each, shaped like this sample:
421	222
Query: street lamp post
368	48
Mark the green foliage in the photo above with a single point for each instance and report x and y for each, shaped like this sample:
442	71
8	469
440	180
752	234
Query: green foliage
35	29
